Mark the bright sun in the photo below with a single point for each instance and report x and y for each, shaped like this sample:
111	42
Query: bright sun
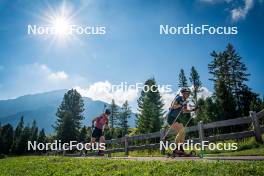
60	20
61	25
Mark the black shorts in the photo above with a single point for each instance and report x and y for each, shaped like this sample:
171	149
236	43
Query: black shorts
172	115
97	133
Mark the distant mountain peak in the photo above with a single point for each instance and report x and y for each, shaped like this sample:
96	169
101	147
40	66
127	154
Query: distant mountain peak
42	107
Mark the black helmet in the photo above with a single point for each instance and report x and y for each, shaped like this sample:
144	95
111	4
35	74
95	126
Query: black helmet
107	111
185	90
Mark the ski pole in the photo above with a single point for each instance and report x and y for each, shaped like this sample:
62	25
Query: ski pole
167	132
188	122
104	108
192	117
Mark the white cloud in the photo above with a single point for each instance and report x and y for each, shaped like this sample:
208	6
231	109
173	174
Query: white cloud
37	78
237	13
60	75
240	13
168	97
205	93
102	91
47	73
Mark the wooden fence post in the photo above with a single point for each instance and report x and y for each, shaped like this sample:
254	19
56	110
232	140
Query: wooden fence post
109	154
161	139
256	126
201	131
126	145
201	136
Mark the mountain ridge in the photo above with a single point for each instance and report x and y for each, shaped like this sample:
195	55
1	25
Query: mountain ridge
42	107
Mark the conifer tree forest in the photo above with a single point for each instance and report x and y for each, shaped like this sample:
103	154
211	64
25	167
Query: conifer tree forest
231	98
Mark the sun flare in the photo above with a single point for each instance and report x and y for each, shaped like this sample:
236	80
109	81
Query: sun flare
61	25
59	20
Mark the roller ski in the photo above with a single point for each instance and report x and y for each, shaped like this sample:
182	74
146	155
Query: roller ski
184	154
193	153
100	153
181	153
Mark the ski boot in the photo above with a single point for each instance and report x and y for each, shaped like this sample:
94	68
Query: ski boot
100	153
182	153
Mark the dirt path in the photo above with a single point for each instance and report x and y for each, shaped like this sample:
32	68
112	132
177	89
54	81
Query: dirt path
228	158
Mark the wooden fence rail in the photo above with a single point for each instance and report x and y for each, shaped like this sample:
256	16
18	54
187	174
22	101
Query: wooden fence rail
252	119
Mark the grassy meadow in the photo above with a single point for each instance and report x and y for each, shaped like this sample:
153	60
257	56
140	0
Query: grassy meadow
40	165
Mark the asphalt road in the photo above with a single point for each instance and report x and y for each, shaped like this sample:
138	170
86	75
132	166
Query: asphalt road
228	158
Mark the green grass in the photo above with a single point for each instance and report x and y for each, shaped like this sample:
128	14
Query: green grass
87	166
258	151
247	146
147	152
252	152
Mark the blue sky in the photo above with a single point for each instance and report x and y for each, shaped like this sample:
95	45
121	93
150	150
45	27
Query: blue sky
132	49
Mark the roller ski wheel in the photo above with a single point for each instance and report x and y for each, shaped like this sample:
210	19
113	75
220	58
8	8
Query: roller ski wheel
174	154
168	155
192	154
164	134
179	153
100	153
201	154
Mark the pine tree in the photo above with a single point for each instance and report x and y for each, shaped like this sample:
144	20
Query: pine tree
123	117
19	128
114	114
229	74
34	131
18	132
246	100
238	74
226	100
6	138
21	145
208	111
83	134
195	80
1	140
257	104
182	79
150	107
69	116
41	136
143	118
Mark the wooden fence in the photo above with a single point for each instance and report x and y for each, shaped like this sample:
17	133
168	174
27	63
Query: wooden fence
252	119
